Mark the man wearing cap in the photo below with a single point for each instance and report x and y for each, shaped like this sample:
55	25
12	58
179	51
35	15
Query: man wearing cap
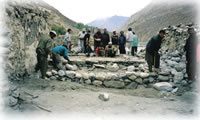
110	50
43	49
81	36
190	48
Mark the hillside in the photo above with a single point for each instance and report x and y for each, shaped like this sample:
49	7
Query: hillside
159	14
111	23
25	21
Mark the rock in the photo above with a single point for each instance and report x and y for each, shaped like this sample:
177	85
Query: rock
91	76
97	83
15	94
144	75
131	68
61	73
139	80
174	90
178	76
99	66
163	78
132	77
127	81
177	59
71	67
180	67
89	82
113	68
63	79
146	81
70	74
152	74
12	101
132	85
171	63
114	84
104	96
85	76
100	76
79	75
53	78
129	73
164	73
175	54
54	72
49	74
163	86
151	79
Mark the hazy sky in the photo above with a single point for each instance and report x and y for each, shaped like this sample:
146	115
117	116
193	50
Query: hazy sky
86	11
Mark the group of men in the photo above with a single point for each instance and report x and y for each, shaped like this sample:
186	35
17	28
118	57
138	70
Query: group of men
104	47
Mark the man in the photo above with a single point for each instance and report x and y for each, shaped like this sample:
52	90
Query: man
81	36
134	44
67	40
43	49
190	48
129	40
97	39
152	57
115	40
100	51
122	42
86	40
105	38
57	52
110	50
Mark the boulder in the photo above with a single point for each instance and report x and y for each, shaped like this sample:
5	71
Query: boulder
163	86
164	73
127	81
104	96
100	76
89	82
144	75
85	76
132	77
53	78
71	67
114	84
131	68
97	83
163	78
151	79
178	76
70	74
132	85
79	75
12	101
113	68
91	76
49	74
99	66
54	72
139	80
61	73
180	67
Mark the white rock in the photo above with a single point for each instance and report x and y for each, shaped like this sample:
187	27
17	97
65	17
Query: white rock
54	72
163	86
79	75
88	82
85	75
71	67
178	76
132	77
163	78
12	101
61	73
97	83
104	96
100	76
144	75
113	68
70	74
131	68
139	80
49	74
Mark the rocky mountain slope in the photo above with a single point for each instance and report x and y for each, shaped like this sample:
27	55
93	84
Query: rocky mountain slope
159	14
111	23
24	21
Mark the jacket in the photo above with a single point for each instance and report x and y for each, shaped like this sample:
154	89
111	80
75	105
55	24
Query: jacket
154	44
135	41
62	51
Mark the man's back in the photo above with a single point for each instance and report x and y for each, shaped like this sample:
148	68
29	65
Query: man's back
45	44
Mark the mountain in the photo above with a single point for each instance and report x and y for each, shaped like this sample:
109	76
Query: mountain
159	14
111	23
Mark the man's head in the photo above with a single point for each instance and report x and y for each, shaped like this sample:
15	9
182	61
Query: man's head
69	30
114	32
162	33
83	30
88	31
129	29
104	30
190	30
110	43
52	34
121	32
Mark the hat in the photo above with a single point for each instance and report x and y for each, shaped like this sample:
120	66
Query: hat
110	43
54	32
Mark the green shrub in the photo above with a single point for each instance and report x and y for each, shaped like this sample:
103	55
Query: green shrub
59	30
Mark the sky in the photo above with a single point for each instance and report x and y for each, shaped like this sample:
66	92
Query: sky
85	11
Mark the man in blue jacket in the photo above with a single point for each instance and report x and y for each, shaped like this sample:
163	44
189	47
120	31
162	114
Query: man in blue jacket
57	52
152	57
